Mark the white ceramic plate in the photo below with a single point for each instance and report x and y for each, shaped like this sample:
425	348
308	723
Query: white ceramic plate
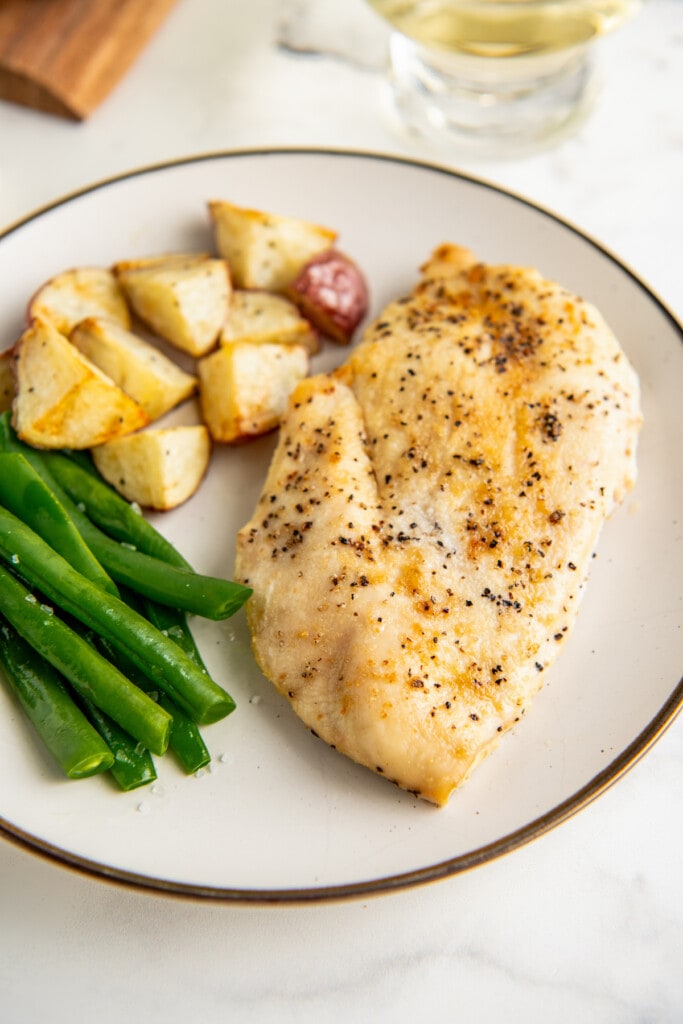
280	816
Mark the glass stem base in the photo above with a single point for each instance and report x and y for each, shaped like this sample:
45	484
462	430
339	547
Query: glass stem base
494	107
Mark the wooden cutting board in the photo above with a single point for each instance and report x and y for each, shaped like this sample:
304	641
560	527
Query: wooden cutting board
65	56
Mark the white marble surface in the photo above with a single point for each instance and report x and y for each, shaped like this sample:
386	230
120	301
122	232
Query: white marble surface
585	924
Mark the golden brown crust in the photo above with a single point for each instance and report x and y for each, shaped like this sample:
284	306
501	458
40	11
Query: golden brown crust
423	538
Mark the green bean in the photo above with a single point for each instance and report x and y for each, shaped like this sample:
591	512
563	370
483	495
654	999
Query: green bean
185	741
82	458
173	622
155	654
209	596
166	580
67	734
25	493
91	675
132	765
9	441
108	510
115	516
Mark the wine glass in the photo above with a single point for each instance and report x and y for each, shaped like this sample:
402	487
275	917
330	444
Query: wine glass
496	76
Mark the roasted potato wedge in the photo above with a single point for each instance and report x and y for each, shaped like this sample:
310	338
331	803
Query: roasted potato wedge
265	250
244	388
183	298
6	379
159	468
261	317
63	400
78	293
139	368
332	293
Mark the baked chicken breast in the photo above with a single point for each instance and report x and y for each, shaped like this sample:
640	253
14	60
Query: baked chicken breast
424	535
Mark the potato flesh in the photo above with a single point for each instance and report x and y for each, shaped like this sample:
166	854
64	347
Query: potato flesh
140	369
244	388
113	382
75	294
184	299
261	317
157	468
62	399
265	250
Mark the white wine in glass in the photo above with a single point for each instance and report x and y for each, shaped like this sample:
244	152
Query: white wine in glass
497	71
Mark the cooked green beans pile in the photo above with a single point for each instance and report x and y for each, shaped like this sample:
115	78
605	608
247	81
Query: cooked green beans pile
94	639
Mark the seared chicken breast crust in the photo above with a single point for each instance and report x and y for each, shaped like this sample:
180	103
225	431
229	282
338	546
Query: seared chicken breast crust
424	535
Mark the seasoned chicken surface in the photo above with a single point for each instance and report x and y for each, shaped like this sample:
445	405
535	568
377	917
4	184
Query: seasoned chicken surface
424	534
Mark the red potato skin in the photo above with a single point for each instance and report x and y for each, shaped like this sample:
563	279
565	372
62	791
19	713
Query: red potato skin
332	293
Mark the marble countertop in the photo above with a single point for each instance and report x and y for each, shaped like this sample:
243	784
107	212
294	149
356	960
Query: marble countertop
584	924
